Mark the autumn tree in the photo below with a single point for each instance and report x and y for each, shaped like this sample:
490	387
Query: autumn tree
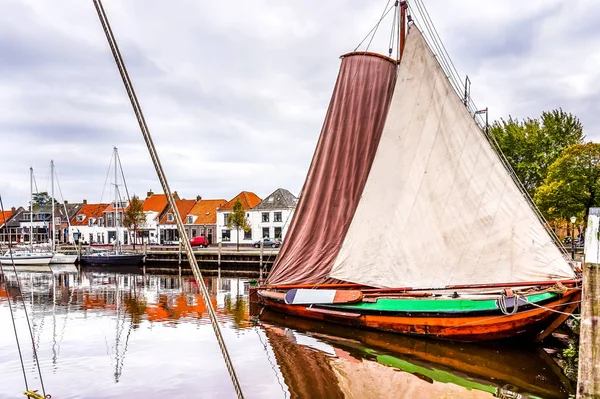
238	220
134	216
532	145
572	185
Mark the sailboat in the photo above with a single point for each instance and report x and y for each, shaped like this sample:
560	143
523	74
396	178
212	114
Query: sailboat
57	257
30	255
427	231
115	257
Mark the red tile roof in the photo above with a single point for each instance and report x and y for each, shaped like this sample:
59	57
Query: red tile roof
206	210
248	199
155	203
4	216
183	206
90	211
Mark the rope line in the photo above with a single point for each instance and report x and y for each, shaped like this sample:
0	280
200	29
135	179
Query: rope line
373	30
163	180
33	346
106	178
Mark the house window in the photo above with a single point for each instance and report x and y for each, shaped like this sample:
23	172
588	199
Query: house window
248	235
278	232
190	219
110	220
100	222
91	222
57	220
225	235
202	231
265	216
80	218
170	217
193	232
265	232
225	219
277	217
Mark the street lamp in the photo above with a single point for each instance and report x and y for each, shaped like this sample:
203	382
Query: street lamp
573	220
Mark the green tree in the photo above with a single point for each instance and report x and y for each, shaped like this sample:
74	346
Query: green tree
572	185
134	216
40	200
237	220
532	145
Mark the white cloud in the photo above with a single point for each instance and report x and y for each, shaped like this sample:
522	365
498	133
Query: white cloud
235	93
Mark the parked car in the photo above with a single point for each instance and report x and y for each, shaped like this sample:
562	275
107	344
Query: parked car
267	242
199	241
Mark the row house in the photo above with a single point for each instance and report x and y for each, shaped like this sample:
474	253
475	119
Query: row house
38	223
154	207
226	235
272	216
10	228
88	226
202	218
167	229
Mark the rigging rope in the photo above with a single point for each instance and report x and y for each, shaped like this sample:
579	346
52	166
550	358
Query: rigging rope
163	180
106	178
35	356
374	29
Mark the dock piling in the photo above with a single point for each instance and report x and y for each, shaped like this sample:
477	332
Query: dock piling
588	377
260	274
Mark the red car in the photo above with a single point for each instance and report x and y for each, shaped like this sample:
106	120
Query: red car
199	241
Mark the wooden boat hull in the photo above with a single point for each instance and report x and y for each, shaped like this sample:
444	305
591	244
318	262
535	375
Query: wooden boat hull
117	260
468	326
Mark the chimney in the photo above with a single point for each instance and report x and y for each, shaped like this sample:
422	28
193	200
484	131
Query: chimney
13	209
175	195
66	202
198	198
149	193
84	201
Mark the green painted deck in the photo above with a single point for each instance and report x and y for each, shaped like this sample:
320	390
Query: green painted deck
437	305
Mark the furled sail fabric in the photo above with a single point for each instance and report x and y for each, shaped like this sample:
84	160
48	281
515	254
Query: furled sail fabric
438	207
339	169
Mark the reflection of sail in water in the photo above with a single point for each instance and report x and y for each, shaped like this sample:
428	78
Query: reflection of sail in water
311	356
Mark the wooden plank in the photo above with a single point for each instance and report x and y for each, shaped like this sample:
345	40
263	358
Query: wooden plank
334	312
305	297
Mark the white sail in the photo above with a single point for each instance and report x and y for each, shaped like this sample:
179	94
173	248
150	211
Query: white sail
439	208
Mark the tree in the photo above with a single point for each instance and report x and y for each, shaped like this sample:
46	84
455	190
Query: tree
572	185
134	216
237	220
40	200
532	145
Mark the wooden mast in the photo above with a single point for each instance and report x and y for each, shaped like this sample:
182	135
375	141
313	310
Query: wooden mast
402	29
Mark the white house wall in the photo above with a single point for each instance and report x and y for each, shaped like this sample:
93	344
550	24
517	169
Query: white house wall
258	224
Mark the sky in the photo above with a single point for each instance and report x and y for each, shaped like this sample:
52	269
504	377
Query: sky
234	93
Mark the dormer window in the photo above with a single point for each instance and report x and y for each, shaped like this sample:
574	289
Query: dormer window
80	218
170	217
91	222
190	219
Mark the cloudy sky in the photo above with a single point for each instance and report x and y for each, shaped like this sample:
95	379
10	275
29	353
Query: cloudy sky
235	92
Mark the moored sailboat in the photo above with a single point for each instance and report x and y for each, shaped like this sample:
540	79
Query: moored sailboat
27	255
115	256
428	232
57	257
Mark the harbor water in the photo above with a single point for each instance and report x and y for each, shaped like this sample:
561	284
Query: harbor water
132	335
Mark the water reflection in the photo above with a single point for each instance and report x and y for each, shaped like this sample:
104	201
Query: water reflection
114	335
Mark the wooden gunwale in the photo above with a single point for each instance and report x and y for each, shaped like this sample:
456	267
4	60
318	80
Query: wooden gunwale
367	289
